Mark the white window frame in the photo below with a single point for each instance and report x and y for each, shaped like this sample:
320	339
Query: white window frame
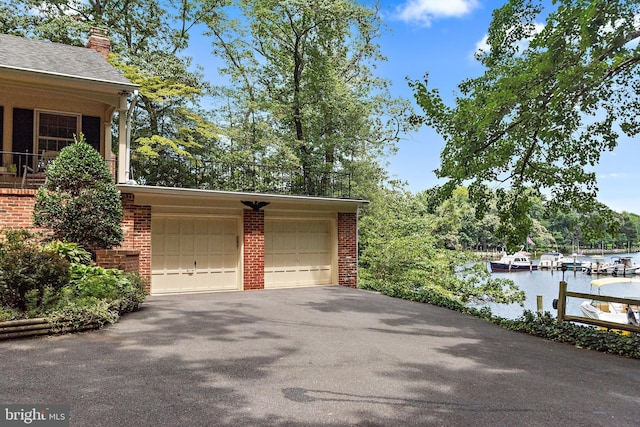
37	149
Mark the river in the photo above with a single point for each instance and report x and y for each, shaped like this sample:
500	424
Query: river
546	283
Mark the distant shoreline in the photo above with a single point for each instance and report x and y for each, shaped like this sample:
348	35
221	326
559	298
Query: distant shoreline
491	255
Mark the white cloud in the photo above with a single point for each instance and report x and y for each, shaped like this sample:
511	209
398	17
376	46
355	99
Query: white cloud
424	11
483	47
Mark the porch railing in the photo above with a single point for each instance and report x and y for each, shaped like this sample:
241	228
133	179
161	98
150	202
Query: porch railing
243	177
12	169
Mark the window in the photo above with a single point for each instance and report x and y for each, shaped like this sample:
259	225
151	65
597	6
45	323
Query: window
56	131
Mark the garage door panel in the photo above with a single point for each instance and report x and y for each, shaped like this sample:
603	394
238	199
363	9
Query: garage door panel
297	253
194	254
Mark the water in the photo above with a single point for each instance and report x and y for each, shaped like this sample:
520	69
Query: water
547	284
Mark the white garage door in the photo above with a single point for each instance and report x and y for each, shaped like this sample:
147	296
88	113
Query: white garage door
297	253
194	254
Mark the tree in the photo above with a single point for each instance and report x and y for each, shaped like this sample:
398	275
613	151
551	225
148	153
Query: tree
399	249
547	105
79	201
147	39
302	91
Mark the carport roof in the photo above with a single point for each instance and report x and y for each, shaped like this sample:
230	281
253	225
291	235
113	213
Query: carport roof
172	192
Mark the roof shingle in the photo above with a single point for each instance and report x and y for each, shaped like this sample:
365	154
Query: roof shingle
58	59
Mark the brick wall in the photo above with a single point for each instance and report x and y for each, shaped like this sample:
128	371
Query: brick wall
136	225
348	249
16	208
253	225
127	260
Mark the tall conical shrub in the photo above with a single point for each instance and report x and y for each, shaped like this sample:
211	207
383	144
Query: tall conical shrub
79	201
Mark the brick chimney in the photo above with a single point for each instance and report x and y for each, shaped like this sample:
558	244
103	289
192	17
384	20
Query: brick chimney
99	42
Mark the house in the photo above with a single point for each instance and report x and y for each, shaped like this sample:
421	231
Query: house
180	240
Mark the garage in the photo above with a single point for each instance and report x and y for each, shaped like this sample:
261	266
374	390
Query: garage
298	253
194	253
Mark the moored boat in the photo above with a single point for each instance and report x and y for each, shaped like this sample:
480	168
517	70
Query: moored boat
622	266
573	261
550	261
596	266
611	311
519	261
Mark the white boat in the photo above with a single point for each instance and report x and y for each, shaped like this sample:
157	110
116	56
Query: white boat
572	261
550	261
622	266
519	261
611	311
596	266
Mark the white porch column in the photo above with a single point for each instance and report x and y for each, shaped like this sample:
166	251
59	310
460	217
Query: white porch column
123	163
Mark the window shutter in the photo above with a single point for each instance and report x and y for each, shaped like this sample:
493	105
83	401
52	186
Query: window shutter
91	131
22	136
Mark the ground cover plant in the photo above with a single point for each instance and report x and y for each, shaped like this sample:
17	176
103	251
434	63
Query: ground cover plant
542	325
57	281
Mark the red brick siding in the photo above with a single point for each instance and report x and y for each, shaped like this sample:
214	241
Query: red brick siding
122	259
136	225
253	225
348	249
16	208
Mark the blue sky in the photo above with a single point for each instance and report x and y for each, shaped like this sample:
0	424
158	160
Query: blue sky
439	37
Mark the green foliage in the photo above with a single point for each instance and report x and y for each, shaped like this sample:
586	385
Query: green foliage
72	252
550	101
541	325
97	295
27	269
80	312
79	201
39	281
8	313
302	91
108	284
546	326
400	250
93	281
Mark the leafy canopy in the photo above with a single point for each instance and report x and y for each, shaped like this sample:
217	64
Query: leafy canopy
551	100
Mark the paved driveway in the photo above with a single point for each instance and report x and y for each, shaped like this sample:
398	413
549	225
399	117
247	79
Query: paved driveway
316	356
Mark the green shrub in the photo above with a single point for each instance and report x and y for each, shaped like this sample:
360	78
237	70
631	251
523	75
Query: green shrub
94	281
83	311
72	252
79	201
124	292
27	269
7	313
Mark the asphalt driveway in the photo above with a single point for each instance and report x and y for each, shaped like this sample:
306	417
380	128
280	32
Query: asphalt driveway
316	356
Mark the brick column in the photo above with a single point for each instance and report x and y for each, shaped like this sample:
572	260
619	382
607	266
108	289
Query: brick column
348	249
253	225
136	225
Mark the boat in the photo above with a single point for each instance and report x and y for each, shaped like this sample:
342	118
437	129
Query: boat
550	261
597	266
622	266
614	312
519	261
573	261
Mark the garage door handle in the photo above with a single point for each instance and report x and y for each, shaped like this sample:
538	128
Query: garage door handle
194	268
